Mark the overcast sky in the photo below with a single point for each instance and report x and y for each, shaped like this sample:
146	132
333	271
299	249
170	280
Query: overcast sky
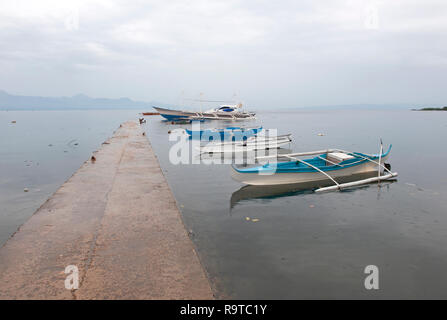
269	53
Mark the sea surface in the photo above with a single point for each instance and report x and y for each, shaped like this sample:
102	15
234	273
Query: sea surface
307	245
295	244
41	151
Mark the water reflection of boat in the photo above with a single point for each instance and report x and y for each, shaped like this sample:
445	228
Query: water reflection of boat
286	190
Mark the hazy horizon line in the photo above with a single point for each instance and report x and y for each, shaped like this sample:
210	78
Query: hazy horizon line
150	104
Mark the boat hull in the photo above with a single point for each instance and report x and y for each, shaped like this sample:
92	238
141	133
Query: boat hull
172	115
278	178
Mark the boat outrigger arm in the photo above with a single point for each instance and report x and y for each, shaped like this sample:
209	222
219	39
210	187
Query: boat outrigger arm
338	186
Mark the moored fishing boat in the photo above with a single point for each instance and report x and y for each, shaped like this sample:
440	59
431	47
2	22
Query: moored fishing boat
251	144
237	132
223	112
327	164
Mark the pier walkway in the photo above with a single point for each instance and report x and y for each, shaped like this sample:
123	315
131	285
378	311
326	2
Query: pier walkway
116	220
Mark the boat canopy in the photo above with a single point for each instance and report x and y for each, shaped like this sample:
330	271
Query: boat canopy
226	108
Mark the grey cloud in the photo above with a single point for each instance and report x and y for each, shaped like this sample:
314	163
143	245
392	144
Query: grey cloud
286	53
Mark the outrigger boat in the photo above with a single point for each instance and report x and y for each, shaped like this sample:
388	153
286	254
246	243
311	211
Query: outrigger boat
329	164
237	132
223	112
254	143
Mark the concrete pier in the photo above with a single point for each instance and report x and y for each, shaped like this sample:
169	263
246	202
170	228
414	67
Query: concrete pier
117	221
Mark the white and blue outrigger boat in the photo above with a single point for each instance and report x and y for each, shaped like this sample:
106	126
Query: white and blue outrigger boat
237	133
328	164
251	144
223	112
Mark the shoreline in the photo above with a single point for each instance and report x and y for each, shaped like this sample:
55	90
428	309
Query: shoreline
117	221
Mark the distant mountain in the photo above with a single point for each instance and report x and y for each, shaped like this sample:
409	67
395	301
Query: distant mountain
360	107
384	107
79	101
432	109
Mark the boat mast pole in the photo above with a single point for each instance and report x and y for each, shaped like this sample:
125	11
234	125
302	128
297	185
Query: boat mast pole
234	99
183	99
380	159
201	98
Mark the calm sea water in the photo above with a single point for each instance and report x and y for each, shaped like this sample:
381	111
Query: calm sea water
308	245
305	245
41	151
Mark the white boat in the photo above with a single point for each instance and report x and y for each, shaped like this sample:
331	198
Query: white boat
236	133
251	144
327	164
223	112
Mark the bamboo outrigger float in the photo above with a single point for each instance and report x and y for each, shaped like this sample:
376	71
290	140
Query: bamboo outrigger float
327	164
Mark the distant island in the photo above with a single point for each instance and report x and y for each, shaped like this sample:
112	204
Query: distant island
432	109
79	101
